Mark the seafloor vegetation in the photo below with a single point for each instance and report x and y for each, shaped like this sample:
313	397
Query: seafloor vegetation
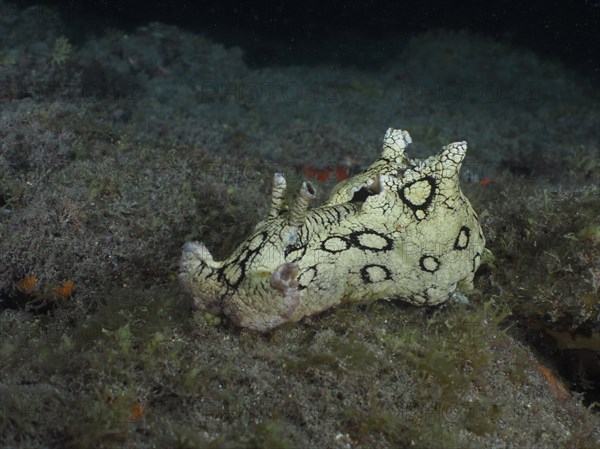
116	149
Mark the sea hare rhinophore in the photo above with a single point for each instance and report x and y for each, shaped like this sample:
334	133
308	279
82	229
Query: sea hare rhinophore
400	229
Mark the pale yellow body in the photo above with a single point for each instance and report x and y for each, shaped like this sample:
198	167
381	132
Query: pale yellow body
401	229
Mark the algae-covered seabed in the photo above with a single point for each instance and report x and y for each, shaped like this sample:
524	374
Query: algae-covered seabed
115	150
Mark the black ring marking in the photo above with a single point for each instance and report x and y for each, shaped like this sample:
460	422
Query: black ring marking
341	238
462	239
355	238
426	203
367	276
429	264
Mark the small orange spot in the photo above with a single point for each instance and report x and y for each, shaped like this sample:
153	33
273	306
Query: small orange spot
27	284
558	387
341	172
485	182
323	175
320	175
137	410
64	291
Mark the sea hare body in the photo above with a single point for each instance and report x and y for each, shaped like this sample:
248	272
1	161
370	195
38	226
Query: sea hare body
401	229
